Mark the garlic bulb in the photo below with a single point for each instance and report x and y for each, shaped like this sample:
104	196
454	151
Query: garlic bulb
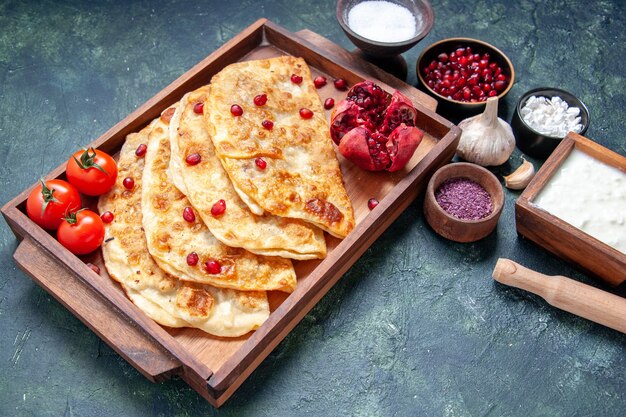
520	178
486	139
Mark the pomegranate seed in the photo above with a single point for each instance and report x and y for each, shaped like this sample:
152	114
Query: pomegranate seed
443	57
189	215
129	183
260	162
93	267
260	100
463	60
296	79
341	84
372	203
236	110
319	82
218	208
500	85
198	108
433	65
493	93
141	150
213	267
306	113
107	217
467	94
500	77
193	159
483	63
329	103
192	259
268	124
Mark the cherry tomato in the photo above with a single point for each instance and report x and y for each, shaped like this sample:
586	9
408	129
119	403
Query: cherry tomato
50	201
92	171
81	232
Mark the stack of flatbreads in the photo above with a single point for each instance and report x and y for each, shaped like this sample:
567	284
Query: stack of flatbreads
187	265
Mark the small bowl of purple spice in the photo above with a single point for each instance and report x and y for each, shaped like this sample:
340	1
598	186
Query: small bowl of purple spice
463	202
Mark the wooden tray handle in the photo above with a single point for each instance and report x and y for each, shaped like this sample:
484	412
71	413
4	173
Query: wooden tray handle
123	336
565	293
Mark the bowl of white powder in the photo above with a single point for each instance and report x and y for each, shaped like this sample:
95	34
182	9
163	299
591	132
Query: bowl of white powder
385	28
542	118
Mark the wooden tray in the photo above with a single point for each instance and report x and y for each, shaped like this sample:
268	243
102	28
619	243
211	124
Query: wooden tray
559	237
213	366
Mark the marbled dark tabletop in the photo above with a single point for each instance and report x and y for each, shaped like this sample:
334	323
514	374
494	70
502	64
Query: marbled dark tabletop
416	327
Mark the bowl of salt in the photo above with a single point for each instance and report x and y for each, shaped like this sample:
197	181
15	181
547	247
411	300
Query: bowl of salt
382	28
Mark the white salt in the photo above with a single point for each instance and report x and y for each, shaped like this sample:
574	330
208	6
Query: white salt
551	117
383	21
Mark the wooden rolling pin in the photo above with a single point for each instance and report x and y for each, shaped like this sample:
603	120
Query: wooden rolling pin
565	293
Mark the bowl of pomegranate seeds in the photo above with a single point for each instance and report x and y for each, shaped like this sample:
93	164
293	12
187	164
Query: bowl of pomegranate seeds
463	202
462	73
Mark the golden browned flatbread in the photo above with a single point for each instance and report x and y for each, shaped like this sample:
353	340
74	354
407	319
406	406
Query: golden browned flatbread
207	182
171	238
302	178
167	300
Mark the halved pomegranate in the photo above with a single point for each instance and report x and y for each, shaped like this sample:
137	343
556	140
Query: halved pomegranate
375	130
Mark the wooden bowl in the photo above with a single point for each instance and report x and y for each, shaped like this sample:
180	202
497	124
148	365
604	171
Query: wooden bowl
478	46
452	227
379	49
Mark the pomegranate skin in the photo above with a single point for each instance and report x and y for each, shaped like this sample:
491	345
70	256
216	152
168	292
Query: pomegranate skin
375	130
403	142
354	147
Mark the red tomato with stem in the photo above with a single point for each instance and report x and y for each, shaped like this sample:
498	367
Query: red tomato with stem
81	232
92	171
50	201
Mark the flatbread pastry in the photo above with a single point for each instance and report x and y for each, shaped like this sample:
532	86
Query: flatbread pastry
302	178
206	182
174	231
161	296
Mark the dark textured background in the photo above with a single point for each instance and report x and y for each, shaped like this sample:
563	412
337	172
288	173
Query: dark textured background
416	327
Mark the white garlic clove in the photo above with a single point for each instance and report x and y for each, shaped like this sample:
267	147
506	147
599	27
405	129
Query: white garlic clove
520	178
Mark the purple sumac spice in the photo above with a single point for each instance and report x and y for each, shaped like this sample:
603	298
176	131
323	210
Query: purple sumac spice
464	199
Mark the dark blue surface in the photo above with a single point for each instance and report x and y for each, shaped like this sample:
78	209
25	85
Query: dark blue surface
416	327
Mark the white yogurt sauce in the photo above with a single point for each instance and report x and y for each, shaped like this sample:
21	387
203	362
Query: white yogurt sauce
589	195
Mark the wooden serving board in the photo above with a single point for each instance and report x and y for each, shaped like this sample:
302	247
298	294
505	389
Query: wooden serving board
214	366
559	237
